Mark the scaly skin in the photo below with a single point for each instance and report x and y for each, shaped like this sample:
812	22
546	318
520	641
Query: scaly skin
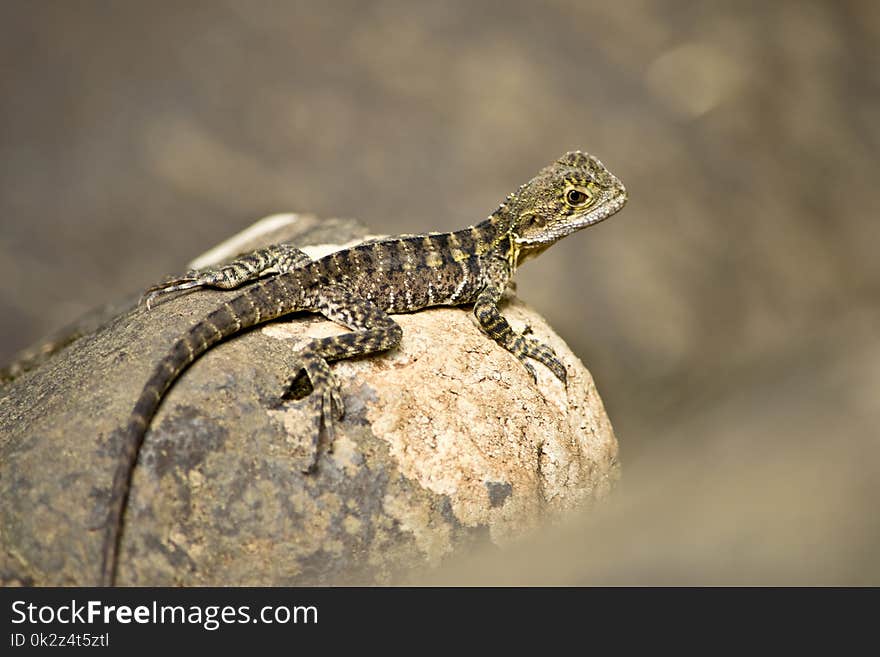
359	287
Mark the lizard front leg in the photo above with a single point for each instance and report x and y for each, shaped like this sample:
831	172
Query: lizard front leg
496	326
278	258
372	330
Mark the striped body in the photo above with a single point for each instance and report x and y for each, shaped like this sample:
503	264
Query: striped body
409	273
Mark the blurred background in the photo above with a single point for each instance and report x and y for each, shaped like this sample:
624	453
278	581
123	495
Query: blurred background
729	314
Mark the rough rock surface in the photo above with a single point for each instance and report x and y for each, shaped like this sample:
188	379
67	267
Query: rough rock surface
445	441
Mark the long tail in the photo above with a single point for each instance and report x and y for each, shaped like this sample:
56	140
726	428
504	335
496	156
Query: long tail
252	307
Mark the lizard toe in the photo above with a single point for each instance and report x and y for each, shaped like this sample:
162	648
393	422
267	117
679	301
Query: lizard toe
166	288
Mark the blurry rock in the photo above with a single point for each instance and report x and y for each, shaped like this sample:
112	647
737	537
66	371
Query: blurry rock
445	441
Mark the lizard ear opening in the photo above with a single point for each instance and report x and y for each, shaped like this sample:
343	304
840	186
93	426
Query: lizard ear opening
532	220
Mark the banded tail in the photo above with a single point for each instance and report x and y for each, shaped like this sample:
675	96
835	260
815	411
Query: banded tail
254	306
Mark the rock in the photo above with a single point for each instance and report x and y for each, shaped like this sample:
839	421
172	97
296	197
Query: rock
446	441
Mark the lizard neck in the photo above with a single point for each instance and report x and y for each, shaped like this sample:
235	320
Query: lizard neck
497	239
494	232
500	240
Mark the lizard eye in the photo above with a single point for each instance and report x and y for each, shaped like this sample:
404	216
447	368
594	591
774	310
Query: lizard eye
577	197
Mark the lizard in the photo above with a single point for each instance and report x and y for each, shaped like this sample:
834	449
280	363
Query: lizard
361	287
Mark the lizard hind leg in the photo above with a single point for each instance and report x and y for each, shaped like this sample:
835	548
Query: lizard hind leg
372	330
278	259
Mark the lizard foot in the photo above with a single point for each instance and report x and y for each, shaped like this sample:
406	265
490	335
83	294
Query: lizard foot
327	398
185	282
540	352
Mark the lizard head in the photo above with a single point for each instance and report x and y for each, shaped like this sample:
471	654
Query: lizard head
574	192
